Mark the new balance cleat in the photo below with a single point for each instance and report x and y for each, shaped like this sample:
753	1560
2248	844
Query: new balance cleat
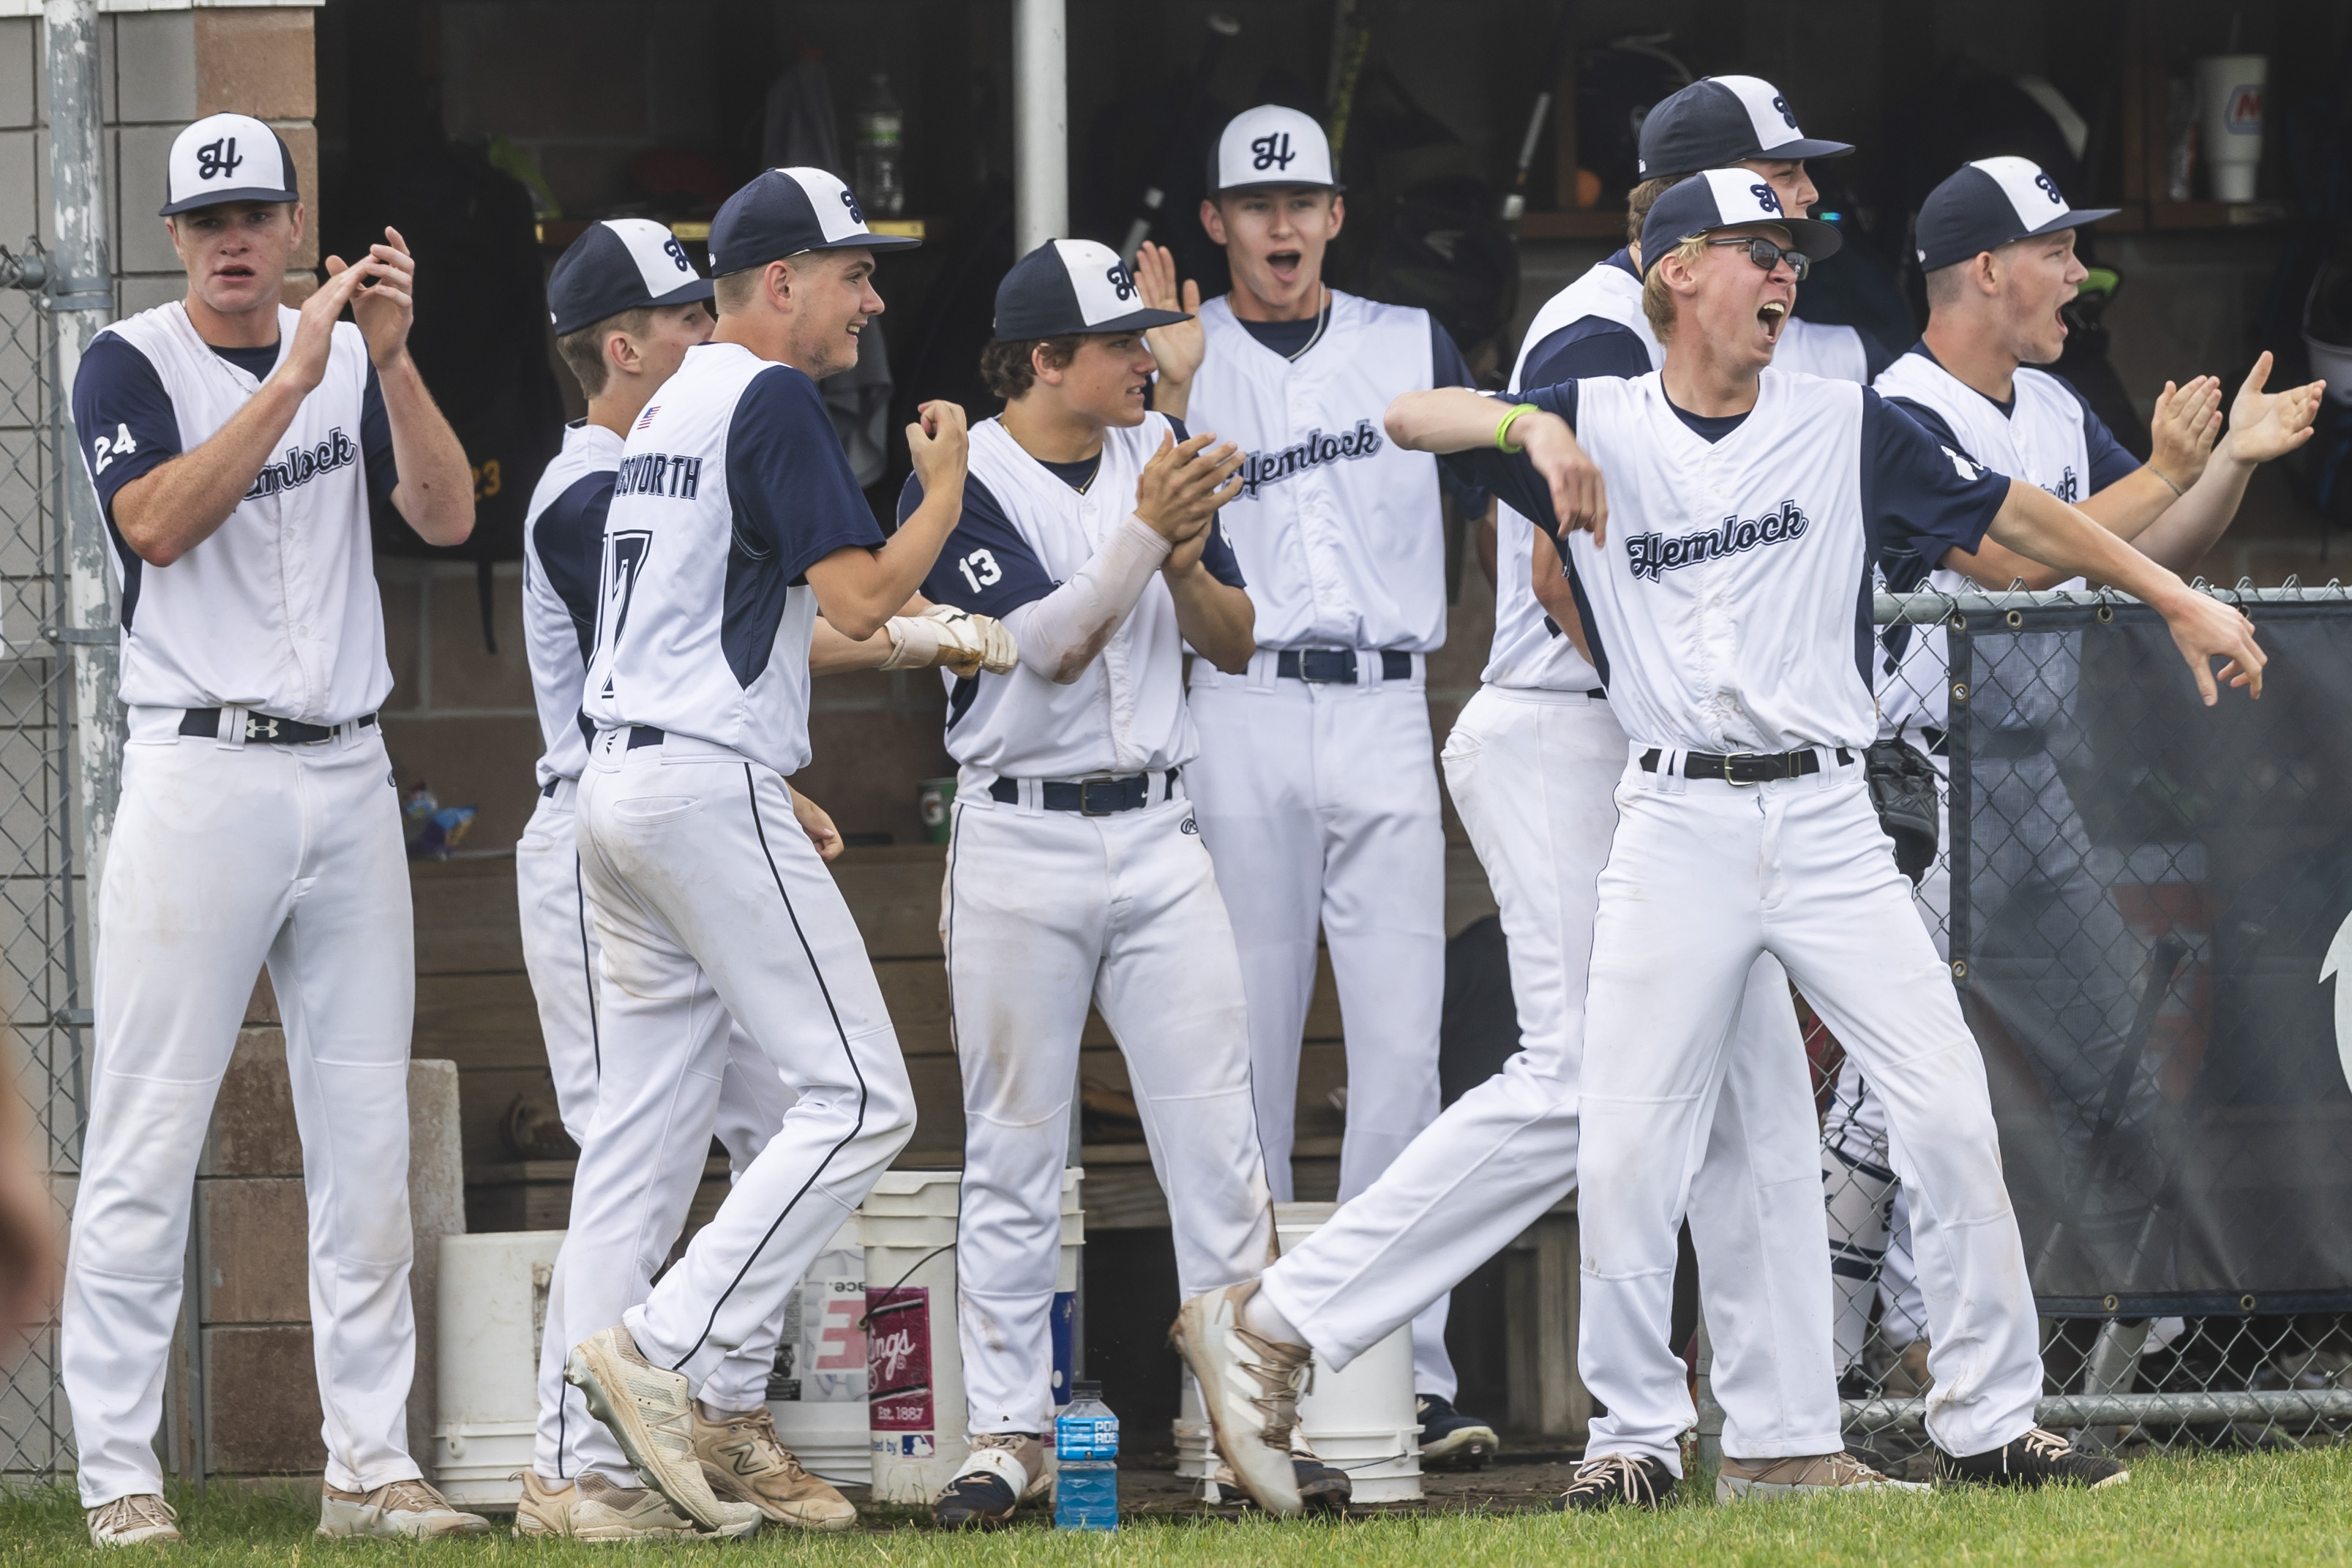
1617	1481
2039	1458
649	1410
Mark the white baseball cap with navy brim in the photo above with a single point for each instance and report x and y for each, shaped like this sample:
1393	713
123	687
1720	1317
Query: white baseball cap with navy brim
1723	199
1717	120
620	264
1271	145
1986	204
1067	285
226	158
785	211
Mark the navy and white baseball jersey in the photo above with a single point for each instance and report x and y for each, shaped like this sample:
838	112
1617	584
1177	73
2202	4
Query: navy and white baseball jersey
277	610
1337	527
731	484
2046	435
1729	609
1027	526
562	551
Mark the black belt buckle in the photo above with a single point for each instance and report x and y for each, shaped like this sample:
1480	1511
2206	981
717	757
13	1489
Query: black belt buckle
1117	791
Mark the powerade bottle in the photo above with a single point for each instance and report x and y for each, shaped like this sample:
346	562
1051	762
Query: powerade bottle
1086	1444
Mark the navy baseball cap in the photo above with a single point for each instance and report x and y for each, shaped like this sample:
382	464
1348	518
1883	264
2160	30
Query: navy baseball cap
620	264
1072	286
226	158
785	212
1717	120
1989	203
1722	199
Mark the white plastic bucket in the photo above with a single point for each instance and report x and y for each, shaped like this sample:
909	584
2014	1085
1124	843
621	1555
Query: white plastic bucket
491	1298
817	1392
914	1396
1362	1420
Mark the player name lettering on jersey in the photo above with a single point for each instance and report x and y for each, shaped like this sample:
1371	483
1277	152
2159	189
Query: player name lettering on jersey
659	473
304	464
1653	554
1263	468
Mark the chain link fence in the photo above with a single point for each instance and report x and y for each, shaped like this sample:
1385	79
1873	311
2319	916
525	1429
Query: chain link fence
2145	904
43	964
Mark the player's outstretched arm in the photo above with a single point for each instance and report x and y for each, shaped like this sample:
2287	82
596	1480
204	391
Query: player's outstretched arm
858	589
165	513
436	493
2037	524
921	635
1455	419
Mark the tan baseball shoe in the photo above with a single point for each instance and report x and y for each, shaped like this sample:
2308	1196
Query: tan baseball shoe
1762	1479
649	1410
1250	1387
593	1509
743	1460
129	1521
409	1508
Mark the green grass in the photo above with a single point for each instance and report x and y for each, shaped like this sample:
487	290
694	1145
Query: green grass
2249	1509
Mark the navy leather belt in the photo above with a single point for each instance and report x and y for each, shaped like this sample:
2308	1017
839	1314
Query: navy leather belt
1089	796
260	729
1337	666
642	735
1747	767
547	791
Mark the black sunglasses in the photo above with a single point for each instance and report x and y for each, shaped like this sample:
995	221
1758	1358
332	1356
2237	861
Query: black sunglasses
1767	256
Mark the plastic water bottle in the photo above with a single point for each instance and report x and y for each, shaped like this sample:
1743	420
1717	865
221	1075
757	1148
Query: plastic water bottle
880	180
1086	1444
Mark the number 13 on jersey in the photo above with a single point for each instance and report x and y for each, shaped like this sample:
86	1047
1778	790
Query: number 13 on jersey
980	570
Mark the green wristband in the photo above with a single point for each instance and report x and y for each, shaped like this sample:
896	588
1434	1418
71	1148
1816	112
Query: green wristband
1503	431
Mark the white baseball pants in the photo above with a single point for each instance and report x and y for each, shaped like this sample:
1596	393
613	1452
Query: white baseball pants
1042	912
712	910
559	952
1869	1218
225	856
1319	805
1702	878
1531	773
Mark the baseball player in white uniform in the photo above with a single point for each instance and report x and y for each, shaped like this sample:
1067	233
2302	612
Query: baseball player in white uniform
1724	619
626	305
1315	789
1075	871
1997	240
238	449
1532	763
734	517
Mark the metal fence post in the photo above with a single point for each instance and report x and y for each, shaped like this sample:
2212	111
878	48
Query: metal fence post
81	296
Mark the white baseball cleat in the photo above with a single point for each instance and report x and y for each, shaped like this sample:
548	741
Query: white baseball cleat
593	1509
411	1509
1759	1479
649	1410
1250	1387
128	1521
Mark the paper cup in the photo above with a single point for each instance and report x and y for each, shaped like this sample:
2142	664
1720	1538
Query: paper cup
2229	89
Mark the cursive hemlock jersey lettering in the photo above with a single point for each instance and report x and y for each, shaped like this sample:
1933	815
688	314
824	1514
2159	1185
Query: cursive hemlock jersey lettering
1653	553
